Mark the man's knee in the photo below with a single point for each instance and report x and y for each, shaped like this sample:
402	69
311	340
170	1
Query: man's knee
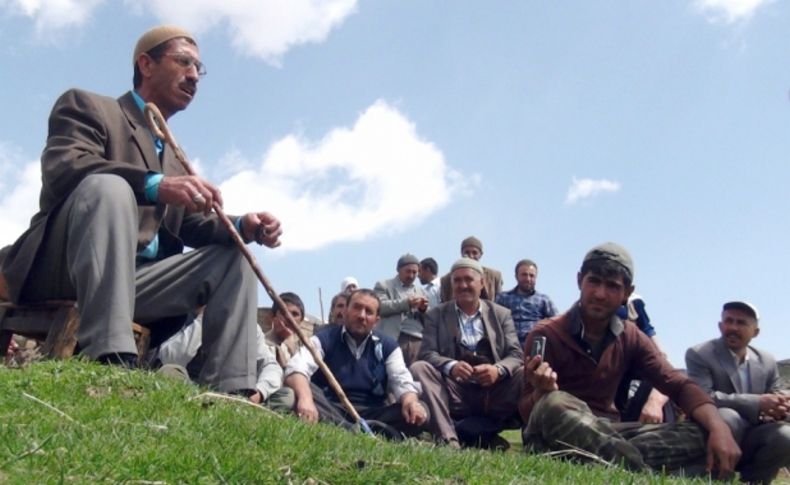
555	409
737	424
105	187
555	403
421	370
781	440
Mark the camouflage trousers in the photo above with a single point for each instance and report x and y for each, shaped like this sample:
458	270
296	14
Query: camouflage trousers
559	421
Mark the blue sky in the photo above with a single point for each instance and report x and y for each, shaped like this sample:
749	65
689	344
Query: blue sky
376	128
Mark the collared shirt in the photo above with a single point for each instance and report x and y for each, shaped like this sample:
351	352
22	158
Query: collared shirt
527	310
594	349
743	371
471	329
399	379
433	289
152	180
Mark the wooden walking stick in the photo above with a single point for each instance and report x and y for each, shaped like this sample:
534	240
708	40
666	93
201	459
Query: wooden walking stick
158	126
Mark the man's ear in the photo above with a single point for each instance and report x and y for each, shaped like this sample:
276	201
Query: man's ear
628	292
756	331
145	64
579	279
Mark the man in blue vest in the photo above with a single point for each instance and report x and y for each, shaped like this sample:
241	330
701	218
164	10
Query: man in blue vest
368	366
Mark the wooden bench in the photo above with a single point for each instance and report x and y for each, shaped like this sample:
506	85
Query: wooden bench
55	324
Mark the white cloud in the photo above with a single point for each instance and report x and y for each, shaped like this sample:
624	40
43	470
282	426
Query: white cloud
258	28
728	11
18	193
52	16
374	178
586	188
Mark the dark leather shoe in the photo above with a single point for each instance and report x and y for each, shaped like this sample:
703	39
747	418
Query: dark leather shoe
128	361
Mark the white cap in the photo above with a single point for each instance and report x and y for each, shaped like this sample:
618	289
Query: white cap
348	280
742	306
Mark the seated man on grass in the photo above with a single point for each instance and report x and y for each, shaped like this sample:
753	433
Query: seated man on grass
182	355
367	365
282	341
470	364
743	381
567	399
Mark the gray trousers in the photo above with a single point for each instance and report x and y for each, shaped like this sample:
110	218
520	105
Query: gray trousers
89	255
765	446
448	400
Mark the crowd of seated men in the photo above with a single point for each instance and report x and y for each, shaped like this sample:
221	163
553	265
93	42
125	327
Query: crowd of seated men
453	356
475	371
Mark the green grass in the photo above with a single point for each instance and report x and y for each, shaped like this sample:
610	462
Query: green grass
107	425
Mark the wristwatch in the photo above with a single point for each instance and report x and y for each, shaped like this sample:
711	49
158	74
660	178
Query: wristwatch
501	369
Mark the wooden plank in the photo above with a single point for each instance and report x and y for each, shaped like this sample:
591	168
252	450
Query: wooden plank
62	337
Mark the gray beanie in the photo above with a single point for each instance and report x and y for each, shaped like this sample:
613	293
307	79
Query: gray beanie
468	263
612	252
407	259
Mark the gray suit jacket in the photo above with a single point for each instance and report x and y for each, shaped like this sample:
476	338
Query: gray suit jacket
91	134
441	333
711	365
396	314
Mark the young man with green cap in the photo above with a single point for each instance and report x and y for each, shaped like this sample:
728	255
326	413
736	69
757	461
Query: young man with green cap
116	211
568	394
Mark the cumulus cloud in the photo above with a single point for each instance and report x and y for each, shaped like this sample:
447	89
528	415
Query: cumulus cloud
586	188
728	11
258	28
52	16
374	178
266	29
21	183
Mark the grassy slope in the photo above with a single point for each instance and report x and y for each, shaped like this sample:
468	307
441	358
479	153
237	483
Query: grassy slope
138	427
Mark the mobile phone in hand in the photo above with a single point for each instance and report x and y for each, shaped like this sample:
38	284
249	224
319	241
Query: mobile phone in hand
538	347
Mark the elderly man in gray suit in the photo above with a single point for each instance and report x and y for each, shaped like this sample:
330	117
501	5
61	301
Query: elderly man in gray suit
470	361
117	210
744	383
403	304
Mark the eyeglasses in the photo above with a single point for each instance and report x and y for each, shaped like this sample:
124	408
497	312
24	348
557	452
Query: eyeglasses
186	61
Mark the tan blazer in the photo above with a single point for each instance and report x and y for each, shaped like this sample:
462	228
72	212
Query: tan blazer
88	134
441	333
